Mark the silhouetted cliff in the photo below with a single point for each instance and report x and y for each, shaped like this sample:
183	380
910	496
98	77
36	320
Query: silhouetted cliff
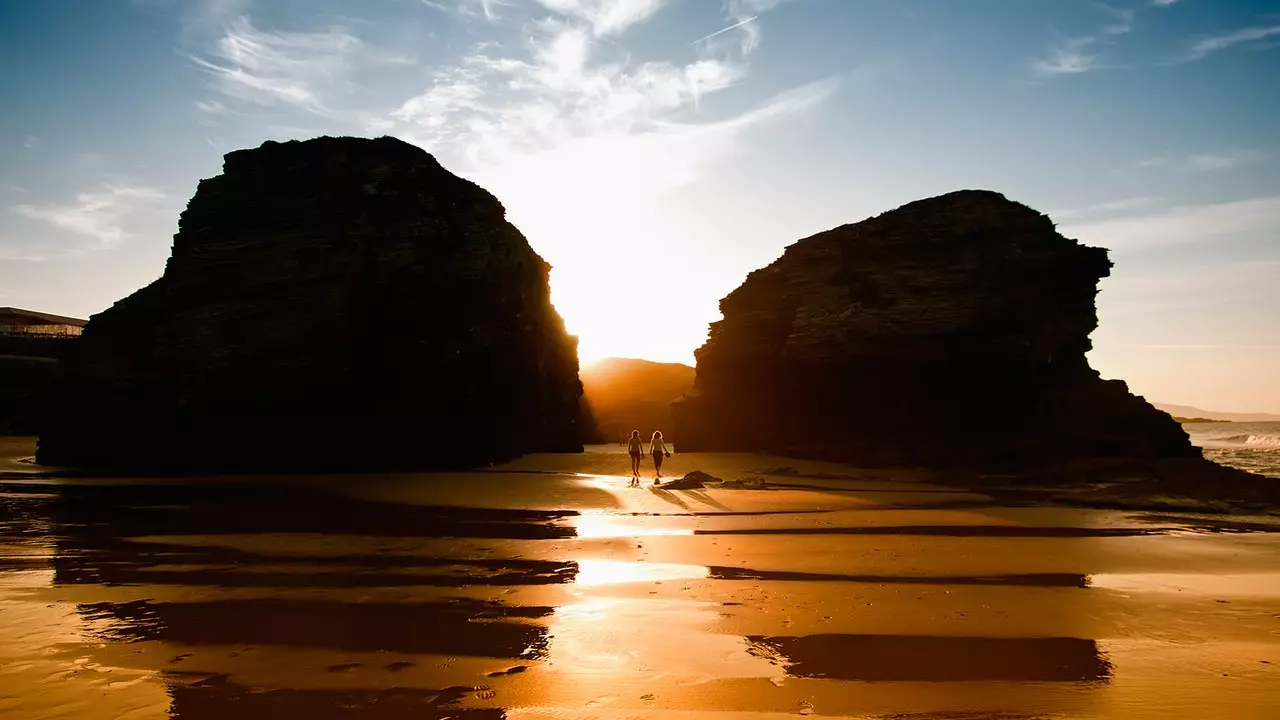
950	330
337	303
625	395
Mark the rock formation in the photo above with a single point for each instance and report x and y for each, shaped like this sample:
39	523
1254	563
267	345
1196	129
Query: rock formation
333	304
950	331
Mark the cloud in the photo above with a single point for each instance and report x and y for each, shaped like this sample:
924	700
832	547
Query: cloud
294	70
1182	225
605	17
31	142
1122	20
101	214
485	9
1084	53
1207	46
1110	207
1204	162
566	86
1069	58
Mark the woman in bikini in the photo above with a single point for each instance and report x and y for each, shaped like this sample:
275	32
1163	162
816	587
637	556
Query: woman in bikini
635	448
658	449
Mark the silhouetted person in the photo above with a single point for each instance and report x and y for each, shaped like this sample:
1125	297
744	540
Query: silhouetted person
658	449
635	448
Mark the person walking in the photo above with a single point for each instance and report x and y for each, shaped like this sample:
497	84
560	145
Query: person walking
658	449
635	448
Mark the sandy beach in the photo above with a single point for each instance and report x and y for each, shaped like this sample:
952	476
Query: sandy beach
548	588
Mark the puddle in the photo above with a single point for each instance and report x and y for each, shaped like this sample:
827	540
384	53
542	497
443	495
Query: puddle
966	531
917	658
468	628
1252	585
611	572
610	525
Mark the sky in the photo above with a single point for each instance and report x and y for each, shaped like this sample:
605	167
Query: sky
656	151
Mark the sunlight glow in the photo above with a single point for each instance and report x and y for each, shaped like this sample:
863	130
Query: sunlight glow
608	525
613	572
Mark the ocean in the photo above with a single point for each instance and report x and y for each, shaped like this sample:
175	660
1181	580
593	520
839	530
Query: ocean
1249	446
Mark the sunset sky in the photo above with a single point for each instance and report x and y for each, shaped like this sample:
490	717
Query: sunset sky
656	151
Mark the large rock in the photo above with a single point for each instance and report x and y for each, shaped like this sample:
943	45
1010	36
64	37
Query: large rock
333	304
952	330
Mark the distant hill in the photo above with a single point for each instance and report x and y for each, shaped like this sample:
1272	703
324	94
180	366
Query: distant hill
625	394
1195	413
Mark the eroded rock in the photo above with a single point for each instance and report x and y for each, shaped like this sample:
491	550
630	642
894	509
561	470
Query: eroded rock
949	331
337	303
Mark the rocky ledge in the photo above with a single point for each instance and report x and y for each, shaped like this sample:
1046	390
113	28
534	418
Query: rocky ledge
333	304
950	331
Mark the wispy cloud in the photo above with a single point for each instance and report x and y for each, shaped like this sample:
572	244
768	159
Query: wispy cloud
1203	162
1121	20
486	9
605	17
1071	57
1086	53
1110	207
271	68
1207	46
1182	225
566	86
31	142
295	70
100	215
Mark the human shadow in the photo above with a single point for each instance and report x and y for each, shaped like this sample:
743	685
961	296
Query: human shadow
669	497
704	498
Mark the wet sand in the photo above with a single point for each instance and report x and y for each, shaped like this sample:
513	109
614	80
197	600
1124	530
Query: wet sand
549	589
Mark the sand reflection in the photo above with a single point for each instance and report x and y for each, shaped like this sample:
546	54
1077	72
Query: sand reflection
599	524
1252	585
612	572
619	636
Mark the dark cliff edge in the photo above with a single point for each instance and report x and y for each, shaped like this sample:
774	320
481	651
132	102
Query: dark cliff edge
333	304
950	332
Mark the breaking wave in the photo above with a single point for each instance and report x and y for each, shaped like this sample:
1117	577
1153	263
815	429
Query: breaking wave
1248	446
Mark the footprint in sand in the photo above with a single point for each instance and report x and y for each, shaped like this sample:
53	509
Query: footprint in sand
342	668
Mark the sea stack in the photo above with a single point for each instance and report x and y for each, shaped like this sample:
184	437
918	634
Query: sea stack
950	331
332	304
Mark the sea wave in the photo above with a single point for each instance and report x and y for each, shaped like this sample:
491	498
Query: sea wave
1265	441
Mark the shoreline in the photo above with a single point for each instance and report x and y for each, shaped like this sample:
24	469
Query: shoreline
1153	485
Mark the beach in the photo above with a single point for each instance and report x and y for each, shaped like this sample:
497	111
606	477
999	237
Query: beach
548	588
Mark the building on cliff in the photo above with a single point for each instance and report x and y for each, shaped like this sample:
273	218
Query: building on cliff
16	321
331	304
951	330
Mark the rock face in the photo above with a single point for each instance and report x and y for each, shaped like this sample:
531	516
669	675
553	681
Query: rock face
950	331
333	304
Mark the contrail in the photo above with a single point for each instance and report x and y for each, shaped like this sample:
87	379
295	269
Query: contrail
725	30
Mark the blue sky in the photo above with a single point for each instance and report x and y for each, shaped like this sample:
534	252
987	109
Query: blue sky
656	151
